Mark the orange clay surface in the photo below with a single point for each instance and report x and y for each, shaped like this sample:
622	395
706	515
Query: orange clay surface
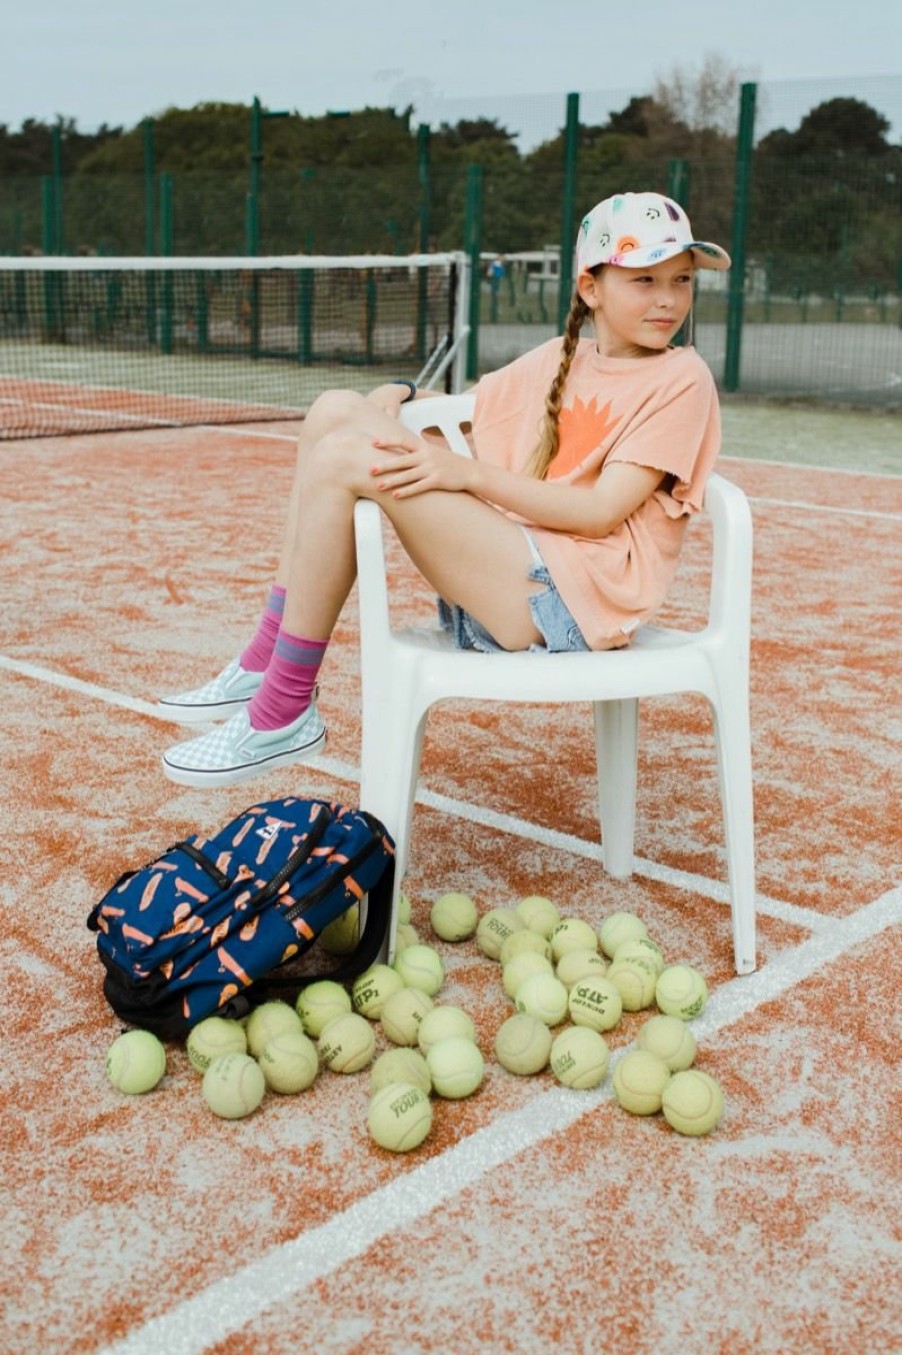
532	1218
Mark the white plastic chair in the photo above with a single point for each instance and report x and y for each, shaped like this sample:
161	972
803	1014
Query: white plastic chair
406	671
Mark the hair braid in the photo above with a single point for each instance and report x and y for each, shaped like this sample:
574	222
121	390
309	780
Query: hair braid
547	447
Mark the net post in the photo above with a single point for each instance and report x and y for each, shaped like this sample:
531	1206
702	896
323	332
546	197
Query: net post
744	153
571	152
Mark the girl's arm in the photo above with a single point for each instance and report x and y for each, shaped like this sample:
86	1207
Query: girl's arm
414	466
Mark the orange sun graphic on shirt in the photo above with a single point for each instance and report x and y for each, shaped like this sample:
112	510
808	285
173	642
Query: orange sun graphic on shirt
583	428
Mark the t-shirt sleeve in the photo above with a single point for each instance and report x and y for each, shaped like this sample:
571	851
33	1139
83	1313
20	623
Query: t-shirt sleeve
678	432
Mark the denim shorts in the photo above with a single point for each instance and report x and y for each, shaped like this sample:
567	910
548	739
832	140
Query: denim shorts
551	617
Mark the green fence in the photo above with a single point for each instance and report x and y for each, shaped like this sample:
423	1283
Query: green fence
802	181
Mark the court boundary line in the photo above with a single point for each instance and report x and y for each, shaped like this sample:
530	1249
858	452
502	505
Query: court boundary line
513	825
228	1305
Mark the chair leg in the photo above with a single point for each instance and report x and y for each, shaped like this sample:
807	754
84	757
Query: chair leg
616	753
734	770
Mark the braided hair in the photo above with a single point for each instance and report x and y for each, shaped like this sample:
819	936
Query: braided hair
547	447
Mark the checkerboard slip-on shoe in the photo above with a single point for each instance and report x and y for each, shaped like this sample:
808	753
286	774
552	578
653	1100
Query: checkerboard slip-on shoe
216	700
236	751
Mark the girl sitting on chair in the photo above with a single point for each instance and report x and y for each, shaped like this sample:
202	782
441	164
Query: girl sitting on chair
561	534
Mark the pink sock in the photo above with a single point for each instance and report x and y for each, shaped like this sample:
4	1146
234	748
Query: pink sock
288	683
259	652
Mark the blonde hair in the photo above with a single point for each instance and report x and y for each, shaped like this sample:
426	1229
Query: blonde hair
548	445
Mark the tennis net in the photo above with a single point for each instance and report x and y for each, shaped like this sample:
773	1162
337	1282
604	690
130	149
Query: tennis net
100	344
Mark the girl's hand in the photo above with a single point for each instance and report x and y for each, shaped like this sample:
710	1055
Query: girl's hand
414	466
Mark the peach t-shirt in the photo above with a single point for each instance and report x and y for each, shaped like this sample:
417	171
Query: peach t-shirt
659	411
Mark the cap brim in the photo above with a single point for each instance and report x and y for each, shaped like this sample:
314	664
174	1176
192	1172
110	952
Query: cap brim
704	254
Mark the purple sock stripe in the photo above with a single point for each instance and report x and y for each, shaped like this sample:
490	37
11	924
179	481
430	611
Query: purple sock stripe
296	649
276	600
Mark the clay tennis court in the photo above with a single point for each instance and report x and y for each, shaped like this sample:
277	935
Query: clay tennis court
532	1218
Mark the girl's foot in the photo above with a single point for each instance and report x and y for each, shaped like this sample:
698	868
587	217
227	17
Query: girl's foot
236	751
219	698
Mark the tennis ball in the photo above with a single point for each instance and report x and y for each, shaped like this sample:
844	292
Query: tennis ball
639	1082
525	940
340	936
454	917
643	951
420	967
233	1086
692	1102
402	1013
539	914
681	991
456	1067
347	1043
596	1003
444	1023
572	933
617	928
521	966
579	1057
494	928
635	981
400	1117
370	989
523	1044
400	1065
289	1062
319	1003
135	1062
213	1036
544	996
669	1038
402	909
405	935
267	1020
581	963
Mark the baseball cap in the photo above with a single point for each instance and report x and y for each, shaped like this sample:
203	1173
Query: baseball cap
635	230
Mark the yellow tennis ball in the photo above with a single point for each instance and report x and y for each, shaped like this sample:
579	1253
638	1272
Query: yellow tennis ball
681	991
405	935
494	928
521	966
400	1117
525	940
402	910
400	1065
523	1044
319	1003
213	1036
617	928
454	917
233	1086
581	963
420	967
669	1038
692	1102
443	1023
579	1057
544	996
639	1082
539	914
340	936
402	1013
596	1003
135	1062
456	1067
642	950
370	990
572	933
267	1020
347	1043
290	1062
635	981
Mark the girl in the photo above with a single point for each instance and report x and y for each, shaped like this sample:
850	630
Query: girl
561	534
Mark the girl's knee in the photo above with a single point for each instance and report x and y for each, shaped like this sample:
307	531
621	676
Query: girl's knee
341	456
330	410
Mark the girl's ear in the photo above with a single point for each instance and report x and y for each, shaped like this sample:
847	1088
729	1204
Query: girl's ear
587	287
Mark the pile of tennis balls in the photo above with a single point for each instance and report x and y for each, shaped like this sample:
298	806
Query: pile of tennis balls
554	970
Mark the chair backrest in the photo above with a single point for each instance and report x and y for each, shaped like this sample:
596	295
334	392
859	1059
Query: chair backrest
447	413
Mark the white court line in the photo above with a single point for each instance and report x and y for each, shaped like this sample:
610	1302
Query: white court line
291	1268
716	890
796	504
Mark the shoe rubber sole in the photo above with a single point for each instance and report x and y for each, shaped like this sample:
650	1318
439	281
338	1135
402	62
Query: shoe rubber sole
232	776
201	715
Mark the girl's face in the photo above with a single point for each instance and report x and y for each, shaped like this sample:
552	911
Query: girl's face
637	311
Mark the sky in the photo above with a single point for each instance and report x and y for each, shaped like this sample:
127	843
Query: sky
119	61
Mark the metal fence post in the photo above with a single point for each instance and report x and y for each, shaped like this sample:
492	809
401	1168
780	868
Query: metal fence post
424	170
166	240
571	151
744	150
472	246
